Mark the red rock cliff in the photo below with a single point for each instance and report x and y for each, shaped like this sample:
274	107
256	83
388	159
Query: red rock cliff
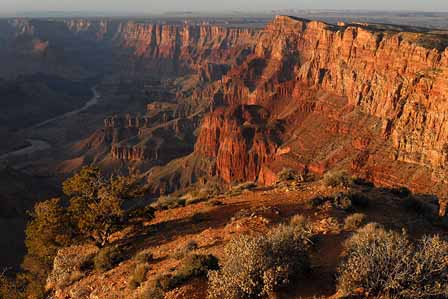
171	48
375	100
241	138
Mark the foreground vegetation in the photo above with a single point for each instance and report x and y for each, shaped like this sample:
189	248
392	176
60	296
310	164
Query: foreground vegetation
90	211
256	266
261	251
387	264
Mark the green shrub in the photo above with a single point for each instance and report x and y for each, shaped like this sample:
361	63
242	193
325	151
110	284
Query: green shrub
255	266
9	289
385	264
107	258
337	179
96	202
139	276
49	230
355	221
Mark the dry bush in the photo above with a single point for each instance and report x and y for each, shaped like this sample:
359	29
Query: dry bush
195	200
337	179
355	221
387	264
145	256
168	202
182	251
151	290
70	264
255	266
215	203
299	221
196	196
107	258
244	186
9	289
344	201
195	265
287	174
139	276
427	275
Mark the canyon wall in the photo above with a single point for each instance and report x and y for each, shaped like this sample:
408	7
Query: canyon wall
171	48
380	98
81	47
299	94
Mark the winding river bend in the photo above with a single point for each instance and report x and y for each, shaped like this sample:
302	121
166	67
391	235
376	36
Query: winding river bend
37	145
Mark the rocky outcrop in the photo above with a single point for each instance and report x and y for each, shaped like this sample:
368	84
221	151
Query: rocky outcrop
241	139
159	143
164	133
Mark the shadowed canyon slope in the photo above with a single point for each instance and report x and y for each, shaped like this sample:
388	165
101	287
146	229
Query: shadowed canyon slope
80	47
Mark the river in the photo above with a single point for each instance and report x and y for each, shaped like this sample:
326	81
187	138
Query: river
40	145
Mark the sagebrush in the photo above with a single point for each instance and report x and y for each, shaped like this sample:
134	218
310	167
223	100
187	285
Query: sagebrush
255	266
386	264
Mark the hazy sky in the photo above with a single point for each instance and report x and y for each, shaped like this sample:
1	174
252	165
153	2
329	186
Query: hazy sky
148	6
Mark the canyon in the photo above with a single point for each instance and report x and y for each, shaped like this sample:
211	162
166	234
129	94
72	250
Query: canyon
191	104
296	94
224	126
316	97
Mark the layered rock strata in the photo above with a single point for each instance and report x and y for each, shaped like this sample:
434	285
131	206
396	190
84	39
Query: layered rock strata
366	99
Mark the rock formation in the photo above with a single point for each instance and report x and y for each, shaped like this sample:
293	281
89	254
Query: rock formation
354	97
80	47
241	139
362	97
